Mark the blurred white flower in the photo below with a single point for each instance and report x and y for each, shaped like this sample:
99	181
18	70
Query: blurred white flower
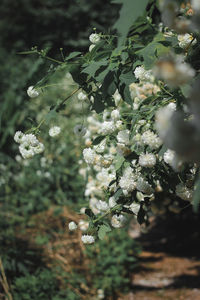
32	92
88	239
72	226
54	131
94	38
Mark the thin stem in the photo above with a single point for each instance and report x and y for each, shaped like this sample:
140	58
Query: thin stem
43	120
107	213
54	60
74	92
166	91
4	281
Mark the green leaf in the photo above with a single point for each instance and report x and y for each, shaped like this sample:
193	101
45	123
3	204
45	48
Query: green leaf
153	51
117	194
51	115
89	213
162	151
93	67
109	86
98	140
196	197
103	230
186	89
141	215
125	93
130	11
99	104
119	161
72	55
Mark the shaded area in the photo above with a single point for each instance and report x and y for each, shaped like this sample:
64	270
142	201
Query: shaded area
170	261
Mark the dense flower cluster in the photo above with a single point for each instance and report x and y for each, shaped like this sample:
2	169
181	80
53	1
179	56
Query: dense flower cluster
29	144
144	142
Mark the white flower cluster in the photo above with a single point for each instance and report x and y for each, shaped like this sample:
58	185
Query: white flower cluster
147	160
143	75
88	239
29	144
185	40
128	180
54	131
151	139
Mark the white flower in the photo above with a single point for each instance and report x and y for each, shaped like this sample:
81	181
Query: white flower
87	239
115	114
26	150
100	294
100	148
18	158
185	40
147	160
119	125
128	181
47	174
142	74
30	139
134	207
151	139
102	205
112	202
184	192
83	225
118	221
175	71
163	120
89	155
38	148
106	115
107	127
32	93
91	47
80	130
196	5
54	131
72	226
117	97
123	136
82	96
18	137
94	38
168	157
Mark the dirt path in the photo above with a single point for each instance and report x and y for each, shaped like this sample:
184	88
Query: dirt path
170	264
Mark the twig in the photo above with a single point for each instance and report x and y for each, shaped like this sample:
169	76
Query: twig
4	281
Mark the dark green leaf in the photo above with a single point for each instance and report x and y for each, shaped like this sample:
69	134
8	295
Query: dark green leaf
98	140
141	215
72	55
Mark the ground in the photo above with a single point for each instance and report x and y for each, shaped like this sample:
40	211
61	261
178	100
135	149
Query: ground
170	264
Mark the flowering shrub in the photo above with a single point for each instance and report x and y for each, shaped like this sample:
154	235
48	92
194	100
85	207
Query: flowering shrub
142	138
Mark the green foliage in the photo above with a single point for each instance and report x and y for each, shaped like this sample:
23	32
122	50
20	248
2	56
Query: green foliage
113	260
129	12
